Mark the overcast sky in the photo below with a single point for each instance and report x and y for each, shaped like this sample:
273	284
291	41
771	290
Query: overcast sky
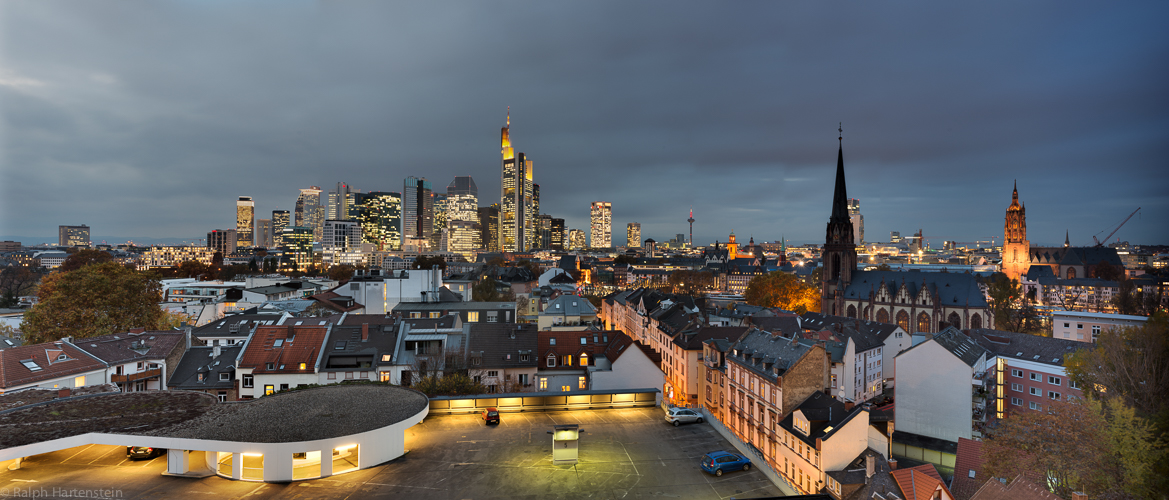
149	119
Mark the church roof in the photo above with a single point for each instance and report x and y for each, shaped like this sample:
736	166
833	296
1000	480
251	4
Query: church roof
952	289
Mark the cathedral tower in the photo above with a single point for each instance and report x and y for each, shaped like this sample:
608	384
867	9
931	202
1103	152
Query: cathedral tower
839	254
1016	248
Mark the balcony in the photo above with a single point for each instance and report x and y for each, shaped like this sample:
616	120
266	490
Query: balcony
148	374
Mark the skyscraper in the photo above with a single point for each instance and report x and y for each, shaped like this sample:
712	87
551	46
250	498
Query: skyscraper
280	221
517	212
309	212
342	235
298	245
633	235
489	227
462	213
380	215
264	233
544	223
601	230
439	232
223	241
417	212
245	217
576	239
73	236
339	203
558	235
858	221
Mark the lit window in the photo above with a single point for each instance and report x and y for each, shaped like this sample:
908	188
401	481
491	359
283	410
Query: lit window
543	384
79	381
584	359
434	314
269	390
302	366
473	317
581	381
385	358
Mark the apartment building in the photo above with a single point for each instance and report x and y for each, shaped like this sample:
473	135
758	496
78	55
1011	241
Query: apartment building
683	358
1025	372
1087	326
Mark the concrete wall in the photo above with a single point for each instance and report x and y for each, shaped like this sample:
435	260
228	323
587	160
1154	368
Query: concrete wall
933	393
810	374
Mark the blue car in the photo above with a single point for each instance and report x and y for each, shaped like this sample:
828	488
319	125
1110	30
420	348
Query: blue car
717	462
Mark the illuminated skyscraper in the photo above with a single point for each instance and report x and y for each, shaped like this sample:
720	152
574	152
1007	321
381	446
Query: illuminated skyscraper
544	226
245	217
858	221
576	239
633	235
517	210
462	214
417	212
279	222
298	245
380	215
489	227
223	241
601	229
558	235
439	232
343	235
339	203
309	212
73	236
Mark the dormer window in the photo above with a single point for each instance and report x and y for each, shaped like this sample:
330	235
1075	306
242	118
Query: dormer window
551	360
271	366
62	357
584	359
302	366
800	423
552	341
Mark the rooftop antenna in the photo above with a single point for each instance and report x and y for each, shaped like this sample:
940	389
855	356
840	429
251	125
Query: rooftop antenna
509	117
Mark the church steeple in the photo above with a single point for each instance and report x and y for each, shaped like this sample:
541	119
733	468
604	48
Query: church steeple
1067	238
839	254
840	196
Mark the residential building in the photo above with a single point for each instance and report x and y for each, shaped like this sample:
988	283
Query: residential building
278	358
222	241
820	435
309	212
1025	372
235	329
922	483
566	310
631	365
138	360
259	295
682	360
601	225
941	396
468	312
428	347
51	365
9	246
572	361
380	291
1087	326
245	220
891	340
633	235
502	356
360	347
50	259
517	210
171	256
73	236
280	221
208	369
769	372
714	371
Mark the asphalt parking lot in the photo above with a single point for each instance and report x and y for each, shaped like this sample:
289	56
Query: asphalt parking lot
624	453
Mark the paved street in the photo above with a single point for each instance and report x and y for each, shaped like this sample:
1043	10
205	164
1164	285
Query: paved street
628	453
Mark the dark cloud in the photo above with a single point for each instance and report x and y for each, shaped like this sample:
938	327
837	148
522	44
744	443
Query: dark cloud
150	119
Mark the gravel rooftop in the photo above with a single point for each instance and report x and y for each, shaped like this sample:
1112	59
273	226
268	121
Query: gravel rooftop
301	415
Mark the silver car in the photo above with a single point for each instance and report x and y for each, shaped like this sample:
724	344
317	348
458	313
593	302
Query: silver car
679	416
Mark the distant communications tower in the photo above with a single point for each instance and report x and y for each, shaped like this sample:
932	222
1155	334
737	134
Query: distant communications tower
691	221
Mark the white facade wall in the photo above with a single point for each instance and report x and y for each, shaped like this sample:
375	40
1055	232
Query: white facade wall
897	341
934	393
633	370
1084	327
85	379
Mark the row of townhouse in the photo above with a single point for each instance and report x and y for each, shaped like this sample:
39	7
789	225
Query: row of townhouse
138	360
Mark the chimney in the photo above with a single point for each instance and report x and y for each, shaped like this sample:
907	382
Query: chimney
215	351
64	393
870	465
892	464
848	405
1079	495
137	331
365	332
187	334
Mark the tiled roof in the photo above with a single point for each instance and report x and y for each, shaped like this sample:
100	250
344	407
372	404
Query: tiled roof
825	416
200	359
46	359
620	343
961	346
119	348
967	469
691	340
1020	488
854	474
500	345
241	323
285	347
785	324
337	302
919	483
1011	345
345	348
766	348
570	305
569	343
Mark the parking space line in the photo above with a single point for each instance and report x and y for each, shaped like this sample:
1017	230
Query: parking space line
78	453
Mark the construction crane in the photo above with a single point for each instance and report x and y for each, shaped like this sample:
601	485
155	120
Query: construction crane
1101	243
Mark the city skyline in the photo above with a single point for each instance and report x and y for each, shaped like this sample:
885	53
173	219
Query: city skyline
943	110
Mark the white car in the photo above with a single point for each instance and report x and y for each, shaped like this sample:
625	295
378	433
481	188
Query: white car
679	416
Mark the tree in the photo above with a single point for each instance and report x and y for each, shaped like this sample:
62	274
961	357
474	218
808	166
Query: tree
14	282
1004	295
1127	299
782	290
84	258
691	282
625	259
486	290
884	267
1106	271
341	272
428	262
94	300
1132	363
194	269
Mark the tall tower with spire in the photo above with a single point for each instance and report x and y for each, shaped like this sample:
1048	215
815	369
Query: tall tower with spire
1016	248
517	205
839	254
691	221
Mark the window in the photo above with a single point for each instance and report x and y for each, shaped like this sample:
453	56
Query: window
1053	395
1036	392
551	363
269	390
552	341
270	366
473	316
581	382
1072	384
1017	387
141	365
1067	325
284	387
1017	401
1035	376
224	377
523	379
523	357
567	361
492	373
584	359
1016	373
492	316
1054	380
385	358
348	375
1034	406
1095	332
79	381
332	375
1079	326
415	315
565	388
434	314
222	396
302	366
247	380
